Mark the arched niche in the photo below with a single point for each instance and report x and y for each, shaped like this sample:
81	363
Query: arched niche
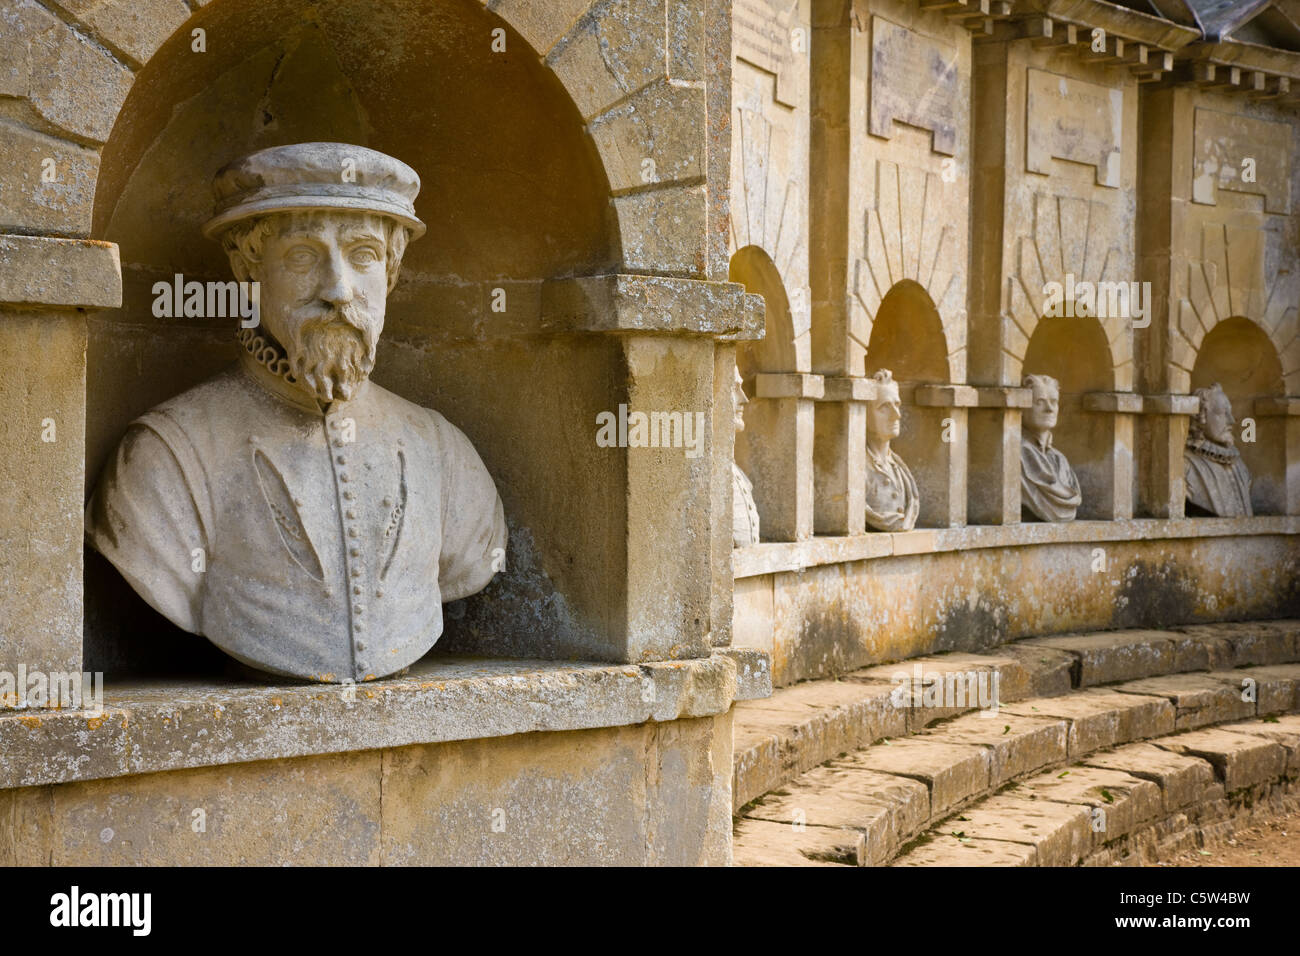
1076	352
1238	355
908	338
775	448
513	193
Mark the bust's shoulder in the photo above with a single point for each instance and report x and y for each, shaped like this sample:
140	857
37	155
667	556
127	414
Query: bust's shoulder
432	423
206	397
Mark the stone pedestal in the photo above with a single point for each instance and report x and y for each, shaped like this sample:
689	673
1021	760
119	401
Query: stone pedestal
840	456
994	496
941	465
780	422
1162	436
1276	488
1113	496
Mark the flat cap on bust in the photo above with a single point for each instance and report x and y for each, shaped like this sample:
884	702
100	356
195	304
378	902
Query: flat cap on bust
314	176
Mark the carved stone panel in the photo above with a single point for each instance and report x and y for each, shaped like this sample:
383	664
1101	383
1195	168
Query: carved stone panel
1074	120
914	81
1241	154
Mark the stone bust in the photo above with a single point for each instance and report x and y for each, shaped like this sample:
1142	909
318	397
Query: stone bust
744	514
1049	489
892	499
306	521
1218	482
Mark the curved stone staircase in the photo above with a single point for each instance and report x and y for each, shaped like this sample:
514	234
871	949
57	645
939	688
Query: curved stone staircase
1117	747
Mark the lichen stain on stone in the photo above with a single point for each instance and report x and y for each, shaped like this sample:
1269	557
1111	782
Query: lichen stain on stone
972	626
1154	596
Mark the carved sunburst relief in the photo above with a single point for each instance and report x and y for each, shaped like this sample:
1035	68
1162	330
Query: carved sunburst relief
1068	242
768	168
1227	278
909	237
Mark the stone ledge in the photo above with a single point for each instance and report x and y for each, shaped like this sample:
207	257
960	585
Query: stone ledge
174	725
46	272
1122	403
789	385
772	557
1170	404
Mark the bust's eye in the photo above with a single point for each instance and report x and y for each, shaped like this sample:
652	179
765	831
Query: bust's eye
364	256
300	257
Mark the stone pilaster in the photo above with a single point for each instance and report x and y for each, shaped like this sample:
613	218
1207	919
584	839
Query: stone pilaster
994	437
45	284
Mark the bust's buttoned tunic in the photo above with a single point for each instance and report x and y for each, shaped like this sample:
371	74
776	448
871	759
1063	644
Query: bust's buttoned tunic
312	542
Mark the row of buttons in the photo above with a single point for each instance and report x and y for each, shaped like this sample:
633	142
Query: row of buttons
355	567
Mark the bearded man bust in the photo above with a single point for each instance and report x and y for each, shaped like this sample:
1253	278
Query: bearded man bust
1218	481
306	521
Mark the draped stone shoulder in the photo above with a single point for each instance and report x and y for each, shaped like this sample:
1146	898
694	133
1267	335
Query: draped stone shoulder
892	499
1049	488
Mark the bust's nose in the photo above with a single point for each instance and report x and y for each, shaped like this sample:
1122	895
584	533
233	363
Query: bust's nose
336	286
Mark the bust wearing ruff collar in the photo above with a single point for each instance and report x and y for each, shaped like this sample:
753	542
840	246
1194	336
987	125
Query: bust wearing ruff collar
332	517
1218	482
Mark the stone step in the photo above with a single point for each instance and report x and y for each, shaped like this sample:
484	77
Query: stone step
804	725
1048	749
1107	808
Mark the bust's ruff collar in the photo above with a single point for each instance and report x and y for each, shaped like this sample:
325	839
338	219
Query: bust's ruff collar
267	364
1223	454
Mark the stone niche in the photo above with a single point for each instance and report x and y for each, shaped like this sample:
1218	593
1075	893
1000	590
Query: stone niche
1074	351
513	192
890	175
1235	278
768	246
907	338
1238	355
553	284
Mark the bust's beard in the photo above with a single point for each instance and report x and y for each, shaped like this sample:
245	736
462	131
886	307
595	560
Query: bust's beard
332	355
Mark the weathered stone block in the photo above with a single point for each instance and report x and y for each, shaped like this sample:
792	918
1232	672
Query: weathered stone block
1049	670
1239	760
663	230
1106	658
1198	698
947	850
61	66
540	22
763	843
136	27
1282	730
1019	745
1103	718
654	136
549	798
1125	802
888	809
316	811
40	271
953	773
1060	833
47	185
